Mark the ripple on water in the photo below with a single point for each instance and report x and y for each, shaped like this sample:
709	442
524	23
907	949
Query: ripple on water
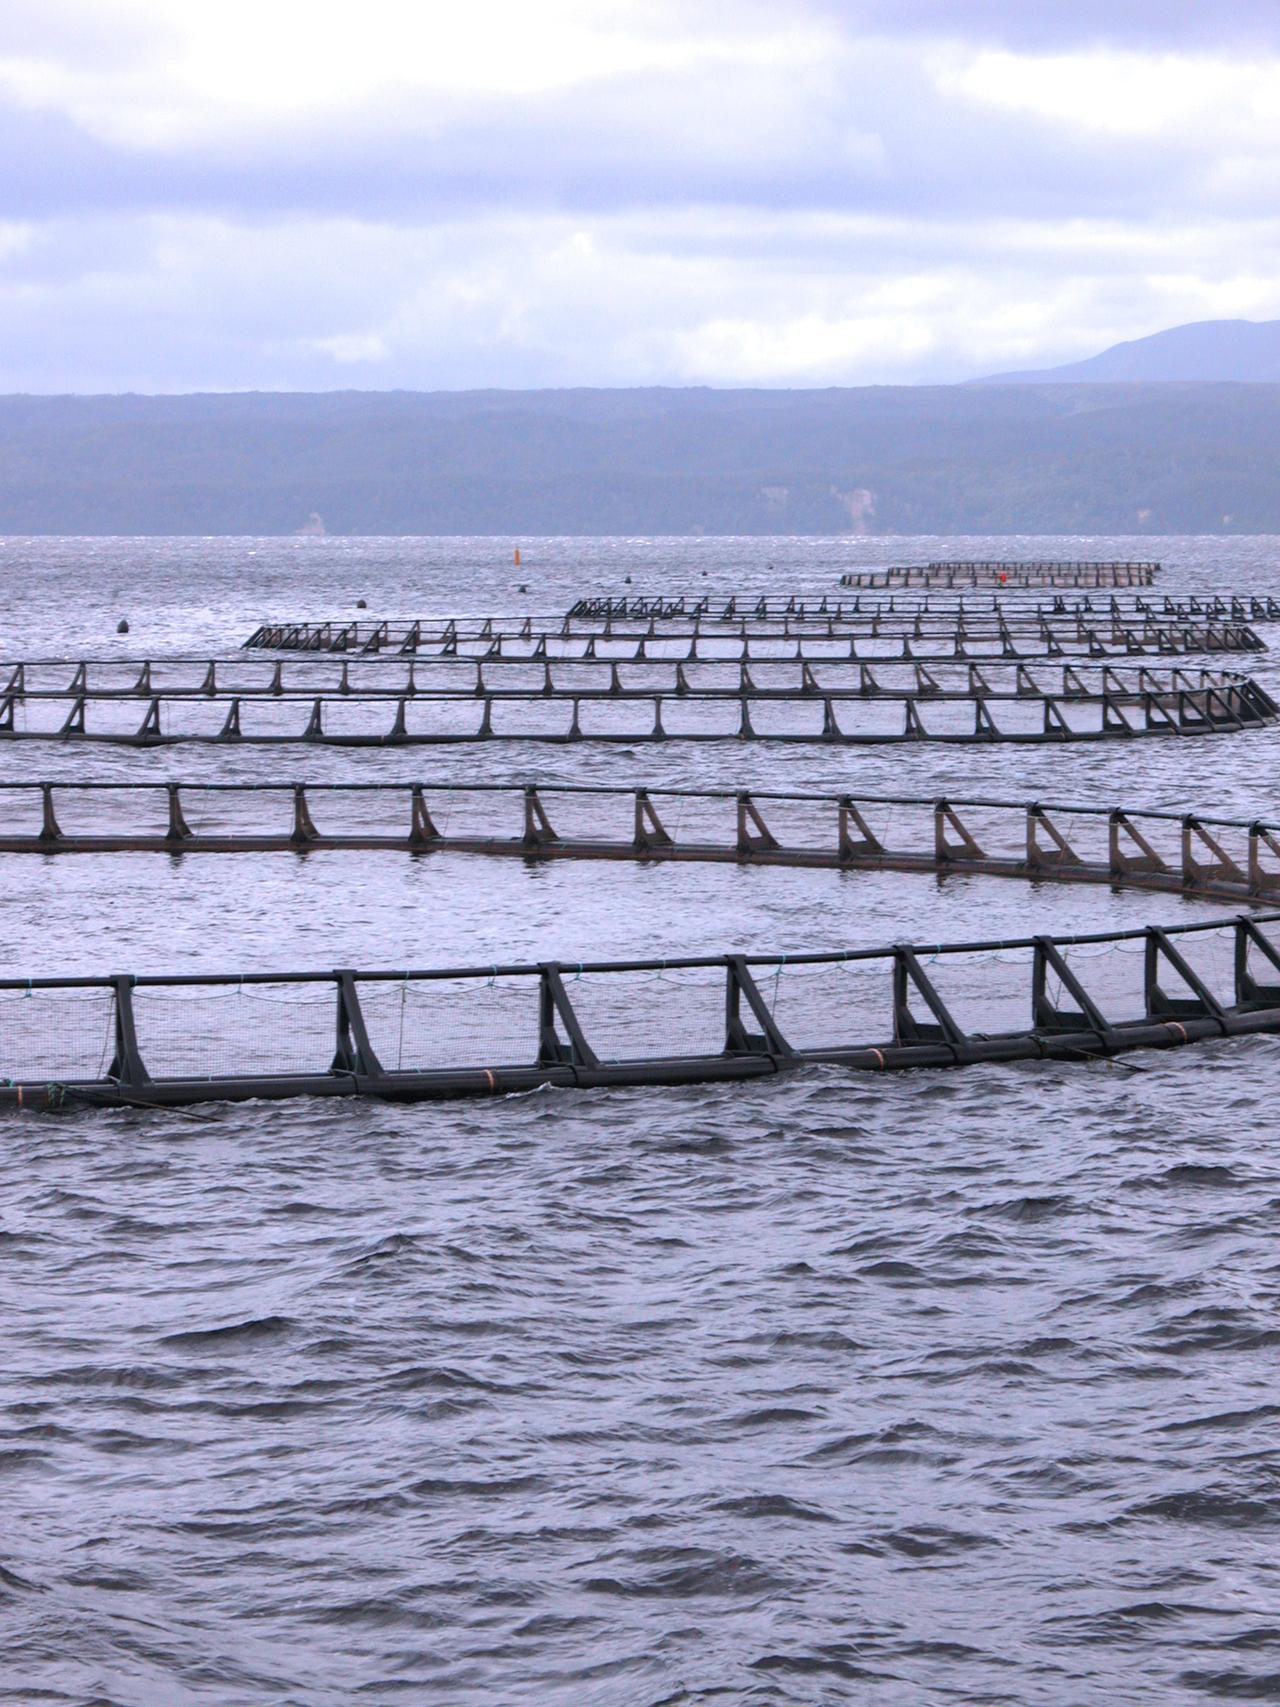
934	1389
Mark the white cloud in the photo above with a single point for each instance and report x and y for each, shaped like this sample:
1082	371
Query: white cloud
203	69
1124	93
311	193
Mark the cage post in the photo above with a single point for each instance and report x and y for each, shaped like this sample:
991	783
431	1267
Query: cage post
650	832
907	971
353	1052
50	831
127	1066
1046	1015
1039	857
754	835
553	1004
537	826
422	829
1121	827
946	852
178	830
769	1040
1196	871
304	829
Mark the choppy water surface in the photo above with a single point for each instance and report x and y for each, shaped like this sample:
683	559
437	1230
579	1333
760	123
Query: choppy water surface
943	1388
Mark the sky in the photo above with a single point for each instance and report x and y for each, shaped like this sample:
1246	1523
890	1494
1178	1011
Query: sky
377	194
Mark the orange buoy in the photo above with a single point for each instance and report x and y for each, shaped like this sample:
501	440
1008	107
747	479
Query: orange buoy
516	559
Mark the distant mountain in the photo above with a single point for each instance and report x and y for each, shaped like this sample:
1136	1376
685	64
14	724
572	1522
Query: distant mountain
968	459
1212	350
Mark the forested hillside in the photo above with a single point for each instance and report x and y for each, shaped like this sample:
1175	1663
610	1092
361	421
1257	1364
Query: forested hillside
1157	458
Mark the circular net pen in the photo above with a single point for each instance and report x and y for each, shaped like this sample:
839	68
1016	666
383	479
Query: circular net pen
827	702
418	1034
955	631
1226	859
1002	572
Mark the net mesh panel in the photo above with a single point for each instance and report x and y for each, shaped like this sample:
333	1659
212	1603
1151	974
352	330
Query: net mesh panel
46	678
899	827
384	677
589	817
881	717
358	812
369	719
1019	717
633	718
40	716
1262	970
1165	838
1001	833
110	716
234	1030
1111	974
829	1005
986	993
237	812
193	717
22	810
484	815
105	811
552	716
720	718
802	824
274	719
777	674
433	1023
788	717
56	1034
425	717
953	717
698	822
255	676
1211	956
636	1016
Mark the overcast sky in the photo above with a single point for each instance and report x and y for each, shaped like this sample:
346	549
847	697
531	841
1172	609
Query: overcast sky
310	194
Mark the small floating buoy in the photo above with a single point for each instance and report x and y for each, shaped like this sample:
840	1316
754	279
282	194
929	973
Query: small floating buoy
516	558
122	627
362	604
523	587
627	579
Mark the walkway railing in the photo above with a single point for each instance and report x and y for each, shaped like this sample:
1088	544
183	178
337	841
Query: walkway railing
1045	572
1213	858
867	711
439	1032
869	634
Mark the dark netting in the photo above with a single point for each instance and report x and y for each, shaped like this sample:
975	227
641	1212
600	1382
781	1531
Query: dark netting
830	1005
192	1032
986	993
56	1034
1111	974
452	1022
587	817
1210	955
237	812
632	1016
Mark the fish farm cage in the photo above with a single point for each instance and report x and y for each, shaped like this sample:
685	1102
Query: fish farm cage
774	608
850	707
412	1034
1226	859
954	663
447	1032
988	572
871	633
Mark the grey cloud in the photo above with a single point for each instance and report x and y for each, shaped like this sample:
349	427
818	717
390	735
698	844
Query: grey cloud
1059	24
